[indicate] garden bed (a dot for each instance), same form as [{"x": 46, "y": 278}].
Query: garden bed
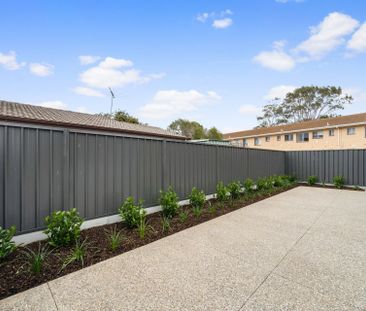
[{"x": 15, "y": 277}]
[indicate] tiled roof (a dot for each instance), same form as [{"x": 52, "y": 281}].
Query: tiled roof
[
  {"x": 37, "y": 114},
  {"x": 313, "y": 124}
]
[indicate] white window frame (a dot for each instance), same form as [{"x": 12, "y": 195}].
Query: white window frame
[
  {"x": 331, "y": 132},
  {"x": 268, "y": 139},
  {"x": 351, "y": 131},
  {"x": 318, "y": 134},
  {"x": 302, "y": 137},
  {"x": 289, "y": 136},
  {"x": 257, "y": 141}
]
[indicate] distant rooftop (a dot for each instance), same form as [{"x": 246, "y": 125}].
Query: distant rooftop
[
  {"x": 48, "y": 116},
  {"x": 305, "y": 125},
  {"x": 211, "y": 142}
]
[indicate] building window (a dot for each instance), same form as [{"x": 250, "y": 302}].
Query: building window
[
  {"x": 268, "y": 139},
  {"x": 351, "y": 131},
  {"x": 289, "y": 137},
  {"x": 331, "y": 132},
  {"x": 257, "y": 141},
  {"x": 278, "y": 137},
  {"x": 245, "y": 142},
  {"x": 318, "y": 135},
  {"x": 302, "y": 137}
]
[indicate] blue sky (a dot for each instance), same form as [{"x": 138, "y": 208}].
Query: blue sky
[{"x": 217, "y": 62}]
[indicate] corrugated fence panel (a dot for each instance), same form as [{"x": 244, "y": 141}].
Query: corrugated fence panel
[
  {"x": 327, "y": 164},
  {"x": 47, "y": 169}
]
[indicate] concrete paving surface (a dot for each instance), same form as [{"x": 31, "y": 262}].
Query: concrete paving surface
[{"x": 304, "y": 249}]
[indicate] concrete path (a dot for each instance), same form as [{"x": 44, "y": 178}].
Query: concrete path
[{"x": 301, "y": 250}]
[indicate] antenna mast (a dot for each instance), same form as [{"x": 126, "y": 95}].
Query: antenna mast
[{"x": 112, "y": 98}]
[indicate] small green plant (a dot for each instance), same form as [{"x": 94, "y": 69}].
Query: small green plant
[
  {"x": 234, "y": 189},
  {"x": 36, "y": 259},
  {"x": 132, "y": 213},
  {"x": 169, "y": 202},
  {"x": 115, "y": 239},
  {"x": 312, "y": 180},
  {"x": 143, "y": 227},
  {"x": 248, "y": 185},
  {"x": 63, "y": 227},
  {"x": 165, "y": 221},
  {"x": 264, "y": 184},
  {"x": 222, "y": 193},
  {"x": 211, "y": 208},
  {"x": 339, "y": 181},
  {"x": 183, "y": 216},
  {"x": 78, "y": 254},
  {"x": 7, "y": 246},
  {"x": 197, "y": 199}
]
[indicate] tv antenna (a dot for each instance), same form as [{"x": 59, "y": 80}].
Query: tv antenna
[{"x": 112, "y": 98}]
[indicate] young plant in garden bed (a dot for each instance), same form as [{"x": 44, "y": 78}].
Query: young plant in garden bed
[
  {"x": 132, "y": 213},
  {"x": 63, "y": 227},
  {"x": 211, "y": 207},
  {"x": 222, "y": 193},
  {"x": 115, "y": 239},
  {"x": 169, "y": 203},
  {"x": 248, "y": 185},
  {"x": 143, "y": 227},
  {"x": 339, "y": 182},
  {"x": 312, "y": 180},
  {"x": 197, "y": 199},
  {"x": 7, "y": 246},
  {"x": 234, "y": 190},
  {"x": 183, "y": 216},
  {"x": 165, "y": 221},
  {"x": 78, "y": 254},
  {"x": 35, "y": 259}
]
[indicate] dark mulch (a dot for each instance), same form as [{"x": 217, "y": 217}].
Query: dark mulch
[
  {"x": 332, "y": 187},
  {"x": 15, "y": 276}
]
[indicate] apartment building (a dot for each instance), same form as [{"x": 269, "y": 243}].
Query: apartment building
[{"x": 344, "y": 132}]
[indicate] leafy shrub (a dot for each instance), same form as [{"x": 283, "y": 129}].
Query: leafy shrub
[
  {"x": 169, "y": 203},
  {"x": 234, "y": 189},
  {"x": 35, "y": 259},
  {"x": 7, "y": 246},
  {"x": 114, "y": 238},
  {"x": 63, "y": 227},
  {"x": 312, "y": 180},
  {"x": 248, "y": 185},
  {"x": 291, "y": 178},
  {"x": 78, "y": 254},
  {"x": 221, "y": 192},
  {"x": 211, "y": 208},
  {"x": 339, "y": 181},
  {"x": 264, "y": 184},
  {"x": 132, "y": 213},
  {"x": 197, "y": 199}
]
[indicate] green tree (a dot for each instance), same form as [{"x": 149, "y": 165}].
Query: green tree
[
  {"x": 214, "y": 133},
  {"x": 122, "y": 116},
  {"x": 194, "y": 130},
  {"x": 303, "y": 104}
]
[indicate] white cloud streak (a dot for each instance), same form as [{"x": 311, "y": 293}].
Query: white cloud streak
[
  {"x": 167, "y": 103},
  {"x": 88, "y": 59},
  {"x": 86, "y": 91},
  {"x": 41, "y": 70},
  {"x": 279, "y": 91},
  {"x": 357, "y": 43},
  {"x": 222, "y": 23},
  {"x": 9, "y": 61}
]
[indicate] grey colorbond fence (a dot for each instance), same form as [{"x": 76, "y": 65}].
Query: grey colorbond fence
[
  {"x": 328, "y": 163},
  {"x": 47, "y": 169}
]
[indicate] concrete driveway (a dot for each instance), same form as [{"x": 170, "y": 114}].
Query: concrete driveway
[{"x": 301, "y": 250}]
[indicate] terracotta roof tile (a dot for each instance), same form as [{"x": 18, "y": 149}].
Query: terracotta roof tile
[
  {"x": 38, "y": 114},
  {"x": 313, "y": 124}
]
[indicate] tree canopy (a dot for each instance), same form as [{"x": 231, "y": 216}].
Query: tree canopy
[
  {"x": 304, "y": 103},
  {"x": 122, "y": 116},
  {"x": 194, "y": 130}
]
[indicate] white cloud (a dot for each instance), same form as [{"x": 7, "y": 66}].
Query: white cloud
[
  {"x": 112, "y": 72},
  {"x": 222, "y": 23},
  {"x": 9, "y": 61},
  {"x": 276, "y": 59},
  {"x": 249, "y": 109},
  {"x": 82, "y": 109},
  {"x": 328, "y": 35},
  {"x": 279, "y": 91},
  {"x": 202, "y": 17},
  {"x": 358, "y": 41},
  {"x": 168, "y": 103},
  {"x": 87, "y": 91},
  {"x": 55, "y": 104},
  {"x": 88, "y": 59},
  {"x": 41, "y": 70}
]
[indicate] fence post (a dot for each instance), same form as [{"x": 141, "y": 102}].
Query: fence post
[
  {"x": 217, "y": 165},
  {"x": 66, "y": 168},
  {"x": 164, "y": 166}
]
